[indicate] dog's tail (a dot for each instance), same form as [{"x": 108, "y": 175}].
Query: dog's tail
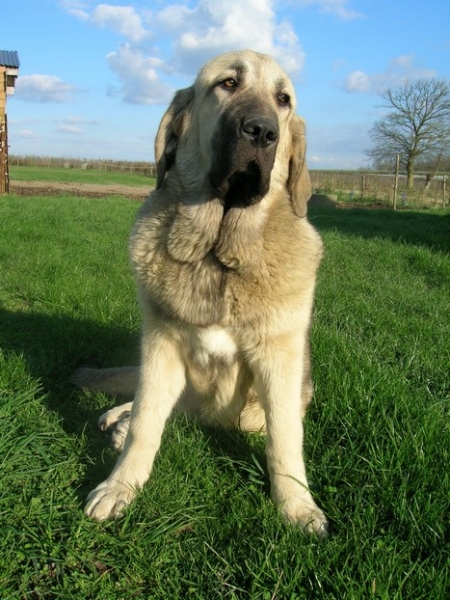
[{"x": 116, "y": 382}]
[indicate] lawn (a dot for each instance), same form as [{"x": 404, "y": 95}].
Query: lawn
[
  {"x": 377, "y": 435},
  {"x": 96, "y": 176}
]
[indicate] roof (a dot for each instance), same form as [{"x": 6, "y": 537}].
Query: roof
[{"x": 9, "y": 58}]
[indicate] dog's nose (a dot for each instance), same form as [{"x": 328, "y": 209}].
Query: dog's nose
[{"x": 261, "y": 131}]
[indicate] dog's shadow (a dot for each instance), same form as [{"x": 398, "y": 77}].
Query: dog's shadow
[
  {"x": 416, "y": 228},
  {"x": 54, "y": 346}
]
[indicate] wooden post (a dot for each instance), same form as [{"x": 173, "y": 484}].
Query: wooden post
[
  {"x": 444, "y": 184},
  {"x": 3, "y": 139},
  {"x": 363, "y": 186},
  {"x": 397, "y": 168}
]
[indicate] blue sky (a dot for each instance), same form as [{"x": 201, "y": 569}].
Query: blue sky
[{"x": 95, "y": 77}]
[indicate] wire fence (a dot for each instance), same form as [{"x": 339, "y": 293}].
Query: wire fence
[
  {"x": 349, "y": 186},
  {"x": 379, "y": 187},
  {"x": 119, "y": 166}
]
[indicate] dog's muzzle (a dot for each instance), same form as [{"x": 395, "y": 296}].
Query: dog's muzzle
[{"x": 244, "y": 151}]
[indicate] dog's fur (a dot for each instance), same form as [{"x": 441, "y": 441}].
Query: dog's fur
[{"x": 225, "y": 263}]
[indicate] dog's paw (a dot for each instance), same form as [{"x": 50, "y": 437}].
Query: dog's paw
[
  {"x": 119, "y": 433},
  {"x": 108, "y": 500},
  {"x": 117, "y": 421},
  {"x": 306, "y": 514},
  {"x": 111, "y": 417}
]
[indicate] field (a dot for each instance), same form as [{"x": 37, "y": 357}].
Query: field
[
  {"x": 35, "y": 180},
  {"x": 49, "y": 176},
  {"x": 377, "y": 435}
]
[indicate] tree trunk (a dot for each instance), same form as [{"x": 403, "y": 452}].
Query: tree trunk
[{"x": 410, "y": 173}]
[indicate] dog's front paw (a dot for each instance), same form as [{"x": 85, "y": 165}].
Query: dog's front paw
[
  {"x": 306, "y": 514},
  {"x": 108, "y": 500}
]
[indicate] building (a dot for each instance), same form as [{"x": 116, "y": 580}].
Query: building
[{"x": 9, "y": 71}]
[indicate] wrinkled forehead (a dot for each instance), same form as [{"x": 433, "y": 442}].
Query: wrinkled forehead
[{"x": 250, "y": 67}]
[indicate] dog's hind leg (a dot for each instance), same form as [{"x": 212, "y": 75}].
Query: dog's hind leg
[
  {"x": 117, "y": 382},
  {"x": 121, "y": 381}
]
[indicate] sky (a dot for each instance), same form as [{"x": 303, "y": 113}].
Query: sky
[{"x": 95, "y": 78}]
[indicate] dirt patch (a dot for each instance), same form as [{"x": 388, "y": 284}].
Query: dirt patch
[
  {"x": 87, "y": 190},
  {"x": 368, "y": 205},
  {"x": 139, "y": 193}
]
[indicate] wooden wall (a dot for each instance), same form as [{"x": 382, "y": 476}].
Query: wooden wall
[{"x": 4, "y": 175}]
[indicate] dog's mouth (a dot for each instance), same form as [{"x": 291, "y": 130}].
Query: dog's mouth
[{"x": 243, "y": 187}]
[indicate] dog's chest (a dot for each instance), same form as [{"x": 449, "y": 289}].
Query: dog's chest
[
  {"x": 205, "y": 292},
  {"x": 211, "y": 345},
  {"x": 210, "y": 356}
]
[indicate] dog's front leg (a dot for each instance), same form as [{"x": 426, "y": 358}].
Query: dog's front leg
[
  {"x": 161, "y": 382},
  {"x": 279, "y": 386}
]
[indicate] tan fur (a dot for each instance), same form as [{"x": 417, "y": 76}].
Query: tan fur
[{"x": 226, "y": 293}]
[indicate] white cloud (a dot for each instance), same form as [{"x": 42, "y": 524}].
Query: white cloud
[
  {"x": 398, "y": 70},
  {"x": 339, "y": 8},
  {"x": 76, "y": 120},
  {"x": 44, "y": 88},
  {"x": 192, "y": 35},
  {"x": 338, "y": 64},
  {"x": 25, "y": 133},
  {"x": 74, "y": 124},
  {"x": 66, "y": 128},
  {"x": 212, "y": 27},
  {"x": 138, "y": 75},
  {"x": 75, "y": 8},
  {"x": 358, "y": 81},
  {"x": 405, "y": 61},
  {"x": 173, "y": 17},
  {"x": 122, "y": 19}
]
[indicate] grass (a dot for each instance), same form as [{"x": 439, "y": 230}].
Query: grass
[
  {"x": 377, "y": 443},
  {"x": 61, "y": 174}
]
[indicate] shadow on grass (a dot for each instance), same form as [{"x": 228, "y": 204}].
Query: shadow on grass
[
  {"x": 421, "y": 228},
  {"x": 54, "y": 346}
]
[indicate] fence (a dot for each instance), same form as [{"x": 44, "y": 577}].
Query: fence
[
  {"x": 379, "y": 187},
  {"x": 350, "y": 186},
  {"x": 140, "y": 168}
]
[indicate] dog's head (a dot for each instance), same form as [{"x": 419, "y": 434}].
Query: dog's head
[{"x": 234, "y": 134}]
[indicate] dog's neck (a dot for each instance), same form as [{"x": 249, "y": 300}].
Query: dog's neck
[
  {"x": 202, "y": 225},
  {"x": 201, "y": 229}
]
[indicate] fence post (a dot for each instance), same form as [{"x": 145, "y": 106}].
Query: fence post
[
  {"x": 444, "y": 185},
  {"x": 397, "y": 167}
]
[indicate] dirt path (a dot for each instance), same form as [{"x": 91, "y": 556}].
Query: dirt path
[
  {"x": 89, "y": 190},
  {"x": 139, "y": 193}
]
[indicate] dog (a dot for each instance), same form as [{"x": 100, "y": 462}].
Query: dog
[{"x": 225, "y": 263}]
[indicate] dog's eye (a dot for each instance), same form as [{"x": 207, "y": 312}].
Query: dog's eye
[
  {"x": 228, "y": 84},
  {"x": 284, "y": 99}
]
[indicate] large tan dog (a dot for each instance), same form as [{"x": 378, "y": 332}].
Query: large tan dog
[{"x": 225, "y": 263}]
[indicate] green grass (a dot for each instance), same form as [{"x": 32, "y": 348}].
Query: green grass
[
  {"x": 377, "y": 439},
  {"x": 78, "y": 176}
]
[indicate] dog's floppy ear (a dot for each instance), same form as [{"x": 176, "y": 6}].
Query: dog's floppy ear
[
  {"x": 168, "y": 132},
  {"x": 299, "y": 183}
]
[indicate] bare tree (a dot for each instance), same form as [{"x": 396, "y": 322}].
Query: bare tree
[{"x": 418, "y": 124}]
